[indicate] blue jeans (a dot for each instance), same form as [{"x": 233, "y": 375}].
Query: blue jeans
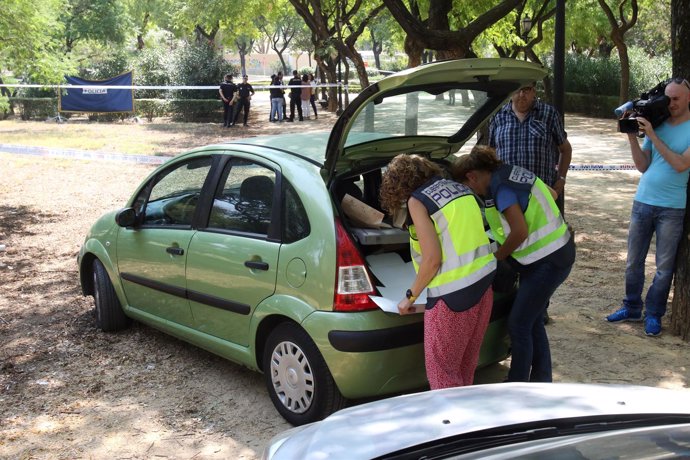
[
  {"x": 276, "y": 109},
  {"x": 531, "y": 361},
  {"x": 645, "y": 220}
]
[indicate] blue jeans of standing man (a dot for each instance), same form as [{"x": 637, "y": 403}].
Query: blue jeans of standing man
[
  {"x": 531, "y": 355},
  {"x": 645, "y": 220},
  {"x": 276, "y": 109}
]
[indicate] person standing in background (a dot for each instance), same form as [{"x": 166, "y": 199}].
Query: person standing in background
[
  {"x": 314, "y": 93},
  {"x": 279, "y": 80},
  {"x": 295, "y": 96},
  {"x": 305, "y": 96},
  {"x": 276, "y": 93},
  {"x": 529, "y": 133},
  {"x": 227, "y": 91},
  {"x": 658, "y": 209},
  {"x": 246, "y": 91}
]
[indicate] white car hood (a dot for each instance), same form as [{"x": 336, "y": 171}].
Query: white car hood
[{"x": 388, "y": 425}]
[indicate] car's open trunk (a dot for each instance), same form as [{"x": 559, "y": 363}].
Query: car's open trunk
[{"x": 374, "y": 242}]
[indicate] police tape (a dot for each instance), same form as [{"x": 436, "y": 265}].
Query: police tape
[
  {"x": 156, "y": 160},
  {"x": 601, "y": 167},
  {"x": 143, "y": 87}
]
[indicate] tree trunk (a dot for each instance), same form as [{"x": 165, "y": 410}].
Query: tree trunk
[{"x": 680, "y": 51}]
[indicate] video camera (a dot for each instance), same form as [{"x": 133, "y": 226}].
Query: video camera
[{"x": 652, "y": 105}]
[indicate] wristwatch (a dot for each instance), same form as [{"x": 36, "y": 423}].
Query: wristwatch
[{"x": 410, "y": 296}]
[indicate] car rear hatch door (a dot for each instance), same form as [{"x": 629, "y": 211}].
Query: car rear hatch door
[{"x": 409, "y": 112}]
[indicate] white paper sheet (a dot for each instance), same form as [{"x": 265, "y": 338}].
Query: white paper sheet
[
  {"x": 396, "y": 277},
  {"x": 391, "y": 306}
]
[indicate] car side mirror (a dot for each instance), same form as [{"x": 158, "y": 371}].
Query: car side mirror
[{"x": 126, "y": 217}]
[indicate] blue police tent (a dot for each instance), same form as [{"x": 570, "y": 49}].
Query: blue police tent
[{"x": 97, "y": 99}]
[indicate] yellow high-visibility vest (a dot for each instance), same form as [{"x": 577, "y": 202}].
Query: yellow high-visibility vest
[
  {"x": 468, "y": 265},
  {"x": 546, "y": 230}
]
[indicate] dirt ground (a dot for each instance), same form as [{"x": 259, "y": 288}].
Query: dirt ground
[{"x": 68, "y": 391}]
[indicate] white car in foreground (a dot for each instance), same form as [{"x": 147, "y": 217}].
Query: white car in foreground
[{"x": 502, "y": 421}]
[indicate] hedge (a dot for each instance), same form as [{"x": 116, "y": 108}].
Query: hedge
[{"x": 190, "y": 110}]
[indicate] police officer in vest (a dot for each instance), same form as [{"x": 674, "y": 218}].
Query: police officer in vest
[
  {"x": 454, "y": 261},
  {"x": 527, "y": 224}
]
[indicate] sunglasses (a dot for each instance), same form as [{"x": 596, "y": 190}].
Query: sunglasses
[{"x": 681, "y": 81}]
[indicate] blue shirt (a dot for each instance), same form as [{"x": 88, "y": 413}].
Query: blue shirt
[
  {"x": 661, "y": 185},
  {"x": 532, "y": 143}
]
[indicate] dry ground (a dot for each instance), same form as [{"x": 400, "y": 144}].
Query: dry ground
[{"x": 69, "y": 391}]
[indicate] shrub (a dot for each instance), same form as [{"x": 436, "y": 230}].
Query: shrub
[
  {"x": 117, "y": 61},
  {"x": 591, "y": 75},
  {"x": 152, "y": 68},
  {"x": 306, "y": 70},
  {"x": 194, "y": 109},
  {"x": 602, "y": 75},
  {"x": 395, "y": 64},
  {"x": 198, "y": 65},
  {"x": 5, "y": 107},
  {"x": 34, "y": 108},
  {"x": 151, "y": 108},
  {"x": 646, "y": 72}
]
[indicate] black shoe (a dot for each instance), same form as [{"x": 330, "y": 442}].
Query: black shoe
[
  {"x": 245, "y": 124},
  {"x": 301, "y": 119},
  {"x": 289, "y": 120}
]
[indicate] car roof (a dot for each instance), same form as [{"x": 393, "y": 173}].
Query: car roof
[
  {"x": 389, "y": 425},
  {"x": 310, "y": 145}
]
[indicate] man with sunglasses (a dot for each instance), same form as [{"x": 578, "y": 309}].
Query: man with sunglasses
[
  {"x": 658, "y": 207},
  {"x": 529, "y": 133}
]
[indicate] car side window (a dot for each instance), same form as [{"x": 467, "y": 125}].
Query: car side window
[
  {"x": 174, "y": 194},
  {"x": 295, "y": 220},
  {"x": 245, "y": 201}
]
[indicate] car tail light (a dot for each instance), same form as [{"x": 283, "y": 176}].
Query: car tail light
[{"x": 352, "y": 285}]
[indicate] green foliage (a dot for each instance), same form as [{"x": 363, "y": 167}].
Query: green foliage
[
  {"x": 601, "y": 76},
  {"x": 645, "y": 71},
  {"x": 306, "y": 70},
  {"x": 104, "y": 21},
  {"x": 151, "y": 108},
  {"x": 5, "y": 107},
  {"x": 198, "y": 65},
  {"x": 591, "y": 75},
  {"x": 30, "y": 40},
  {"x": 396, "y": 64},
  {"x": 113, "y": 63},
  {"x": 151, "y": 68},
  {"x": 194, "y": 109},
  {"x": 32, "y": 108}
]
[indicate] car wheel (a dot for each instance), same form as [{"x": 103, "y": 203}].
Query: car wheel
[
  {"x": 109, "y": 314},
  {"x": 297, "y": 377}
]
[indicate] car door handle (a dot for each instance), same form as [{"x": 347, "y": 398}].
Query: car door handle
[
  {"x": 174, "y": 251},
  {"x": 256, "y": 265}
]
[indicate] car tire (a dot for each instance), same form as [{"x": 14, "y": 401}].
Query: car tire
[
  {"x": 110, "y": 316},
  {"x": 297, "y": 377}
]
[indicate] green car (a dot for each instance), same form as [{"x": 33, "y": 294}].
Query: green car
[{"x": 244, "y": 248}]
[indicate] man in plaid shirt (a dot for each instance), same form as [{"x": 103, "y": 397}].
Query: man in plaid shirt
[{"x": 529, "y": 133}]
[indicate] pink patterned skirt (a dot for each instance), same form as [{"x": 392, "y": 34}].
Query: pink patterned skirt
[{"x": 452, "y": 341}]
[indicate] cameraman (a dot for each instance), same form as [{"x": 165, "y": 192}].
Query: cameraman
[{"x": 659, "y": 207}]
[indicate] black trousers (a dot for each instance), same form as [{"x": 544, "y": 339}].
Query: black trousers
[
  {"x": 243, "y": 103},
  {"x": 227, "y": 114},
  {"x": 296, "y": 101}
]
